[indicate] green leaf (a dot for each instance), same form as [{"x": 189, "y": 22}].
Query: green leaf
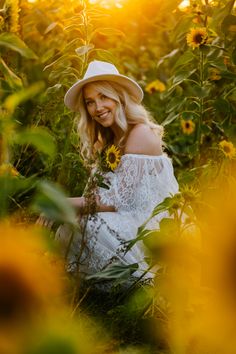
[
  {"x": 221, "y": 105},
  {"x": 189, "y": 115},
  {"x": 228, "y": 75},
  {"x": 64, "y": 58},
  {"x": 175, "y": 104},
  {"x": 168, "y": 226},
  {"x": 12, "y": 101},
  {"x": 183, "y": 75},
  {"x": 186, "y": 58},
  {"x": 206, "y": 129},
  {"x": 38, "y": 137},
  {"x": 169, "y": 119},
  {"x": 200, "y": 92},
  {"x": 221, "y": 13},
  {"x": 182, "y": 26},
  {"x": 96, "y": 14},
  {"x": 53, "y": 203},
  {"x": 141, "y": 235},
  {"x": 228, "y": 21},
  {"x": 84, "y": 49},
  {"x": 216, "y": 63},
  {"x": 164, "y": 206},
  {"x": 116, "y": 271},
  {"x": 167, "y": 56},
  {"x": 11, "y": 41},
  {"x": 51, "y": 27},
  {"x": 101, "y": 54},
  {"x": 109, "y": 32},
  {"x": 13, "y": 187},
  {"x": 11, "y": 78}
]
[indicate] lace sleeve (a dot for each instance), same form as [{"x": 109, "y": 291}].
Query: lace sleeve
[{"x": 139, "y": 183}]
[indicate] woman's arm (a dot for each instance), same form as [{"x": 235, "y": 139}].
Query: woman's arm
[{"x": 80, "y": 204}]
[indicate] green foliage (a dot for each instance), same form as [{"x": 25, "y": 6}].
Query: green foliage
[
  {"x": 52, "y": 202},
  {"x": 38, "y": 137},
  {"x": 13, "y": 42},
  {"x": 201, "y": 84},
  {"x": 195, "y": 102},
  {"x": 118, "y": 273}
]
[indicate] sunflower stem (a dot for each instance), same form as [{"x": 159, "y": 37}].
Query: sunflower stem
[{"x": 201, "y": 100}]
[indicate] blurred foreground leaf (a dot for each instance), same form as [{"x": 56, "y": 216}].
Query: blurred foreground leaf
[
  {"x": 53, "y": 203},
  {"x": 12, "y": 187},
  {"x": 11, "y": 78},
  {"x": 38, "y": 137},
  {"x": 12, "y": 101},
  {"x": 11, "y": 41}
]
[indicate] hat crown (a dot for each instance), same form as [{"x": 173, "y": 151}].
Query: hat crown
[
  {"x": 98, "y": 71},
  {"x": 97, "y": 67}
]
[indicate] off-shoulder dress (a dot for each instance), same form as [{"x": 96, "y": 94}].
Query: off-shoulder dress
[{"x": 138, "y": 184}]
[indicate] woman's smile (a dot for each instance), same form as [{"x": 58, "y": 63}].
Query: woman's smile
[{"x": 103, "y": 115}]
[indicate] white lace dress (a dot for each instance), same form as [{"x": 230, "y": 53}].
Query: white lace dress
[{"x": 137, "y": 185}]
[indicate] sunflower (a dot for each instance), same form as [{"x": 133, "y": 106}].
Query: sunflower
[
  {"x": 197, "y": 37},
  {"x": 62, "y": 334},
  {"x": 12, "y": 9},
  {"x": 188, "y": 126},
  {"x": 189, "y": 193},
  {"x": 2, "y": 22},
  {"x": 112, "y": 157},
  {"x": 155, "y": 86},
  {"x": 214, "y": 74},
  {"x": 30, "y": 278},
  {"x": 228, "y": 149}
]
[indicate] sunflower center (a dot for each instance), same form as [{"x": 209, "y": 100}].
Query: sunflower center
[
  {"x": 198, "y": 38},
  {"x": 112, "y": 157},
  {"x": 227, "y": 149},
  {"x": 16, "y": 298},
  {"x": 187, "y": 125}
]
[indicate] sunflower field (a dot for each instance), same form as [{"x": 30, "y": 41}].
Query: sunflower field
[{"x": 183, "y": 55}]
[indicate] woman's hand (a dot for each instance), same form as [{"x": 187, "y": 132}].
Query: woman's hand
[
  {"x": 82, "y": 206},
  {"x": 78, "y": 203}
]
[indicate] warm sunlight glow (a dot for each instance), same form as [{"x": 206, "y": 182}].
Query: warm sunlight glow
[
  {"x": 108, "y": 3},
  {"x": 184, "y": 4}
]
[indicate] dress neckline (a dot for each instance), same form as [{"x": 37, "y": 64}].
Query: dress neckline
[{"x": 147, "y": 156}]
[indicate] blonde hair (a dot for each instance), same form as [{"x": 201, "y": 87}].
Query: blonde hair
[{"x": 94, "y": 136}]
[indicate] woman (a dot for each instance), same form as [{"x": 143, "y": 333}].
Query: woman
[{"x": 111, "y": 113}]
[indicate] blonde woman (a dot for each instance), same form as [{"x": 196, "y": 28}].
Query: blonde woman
[{"x": 111, "y": 113}]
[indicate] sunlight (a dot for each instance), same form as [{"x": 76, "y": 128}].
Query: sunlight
[
  {"x": 108, "y": 3},
  {"x": 184, "y": 4}
]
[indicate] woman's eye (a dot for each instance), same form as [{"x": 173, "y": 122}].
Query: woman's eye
[
  {"x": 89, "y": 103},
  {"x": 103, "y": 97}
]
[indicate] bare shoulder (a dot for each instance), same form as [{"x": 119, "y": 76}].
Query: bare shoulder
[{"x": 143, "y": 140}]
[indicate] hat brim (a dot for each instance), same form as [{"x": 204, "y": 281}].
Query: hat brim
[{"x": 71, "y": 96}]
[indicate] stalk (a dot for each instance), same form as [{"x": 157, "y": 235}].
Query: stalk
[{"x": 201, "y": 100}]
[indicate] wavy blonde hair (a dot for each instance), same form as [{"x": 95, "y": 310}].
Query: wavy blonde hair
[{"x": 94, "y": 136}]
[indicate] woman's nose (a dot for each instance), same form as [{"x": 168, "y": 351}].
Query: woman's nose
[{"x": 98, "y": 106}]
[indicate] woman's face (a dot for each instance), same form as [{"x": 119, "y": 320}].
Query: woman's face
[{"x": 100, "y": 107}]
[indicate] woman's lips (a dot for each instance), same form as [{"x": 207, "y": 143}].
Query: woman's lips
[{"x": 103, "y": 115}]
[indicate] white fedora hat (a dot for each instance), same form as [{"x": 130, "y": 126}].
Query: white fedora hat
[{"x": 97, "y": 71}]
